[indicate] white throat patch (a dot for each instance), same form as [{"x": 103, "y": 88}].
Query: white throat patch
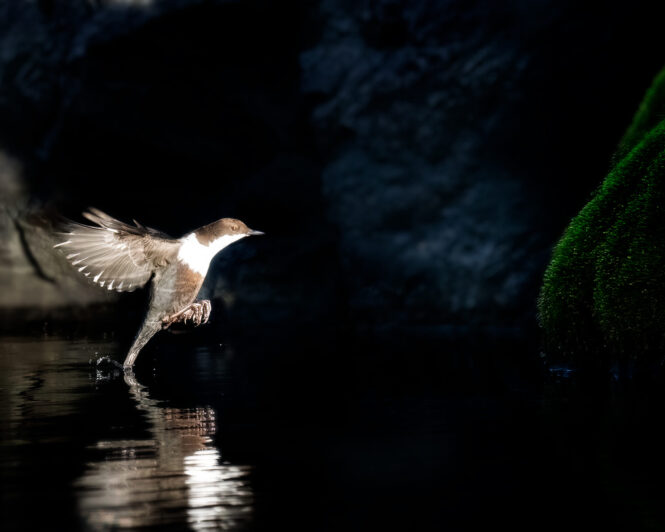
[{"x": 197, "y": 256}]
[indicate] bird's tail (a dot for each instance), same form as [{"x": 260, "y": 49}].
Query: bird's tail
[{"x": 148, "y": 329}]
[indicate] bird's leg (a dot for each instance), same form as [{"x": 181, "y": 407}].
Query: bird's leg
[
  {"x": 148, "y": 330},
  {"x": 196, "y": 313}
]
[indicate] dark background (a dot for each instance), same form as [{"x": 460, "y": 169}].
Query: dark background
[{"x": 412, "y": 164}]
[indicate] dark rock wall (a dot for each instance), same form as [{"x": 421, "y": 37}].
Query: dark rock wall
[
  {"x": 457, "y": 137},
  {"x": 412, "y": 162}
]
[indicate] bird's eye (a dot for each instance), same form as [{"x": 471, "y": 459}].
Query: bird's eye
[{"x": 234, "y": 228}]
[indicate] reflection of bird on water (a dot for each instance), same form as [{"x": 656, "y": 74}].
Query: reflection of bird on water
[
  {"x": 122, "y": 257},
  {"x": 175, "y": 473},
  {"x": 195, "y": 426}
]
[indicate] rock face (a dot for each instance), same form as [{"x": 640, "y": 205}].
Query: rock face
[
  {"x": 604, "y": 291},
  {"x": 31, "y": 275},
  {"x": 411, "y": 162},
  {"x": 453, "y": 149}
]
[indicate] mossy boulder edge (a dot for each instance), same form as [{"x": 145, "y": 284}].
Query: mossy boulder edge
[{"x": 603, "y": 295}]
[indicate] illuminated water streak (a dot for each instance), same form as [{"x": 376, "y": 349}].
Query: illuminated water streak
[{"x": 218, "y": 494}]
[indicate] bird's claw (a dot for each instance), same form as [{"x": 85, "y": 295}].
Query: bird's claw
[
  {"x": 207, "y": 308},
  {"x": 197, "y": 313}
]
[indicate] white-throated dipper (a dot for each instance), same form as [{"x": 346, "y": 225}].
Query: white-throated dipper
[{"x": 122, "y": 257}]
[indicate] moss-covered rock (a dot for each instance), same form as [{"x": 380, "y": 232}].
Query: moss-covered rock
[
  {"x": 649, "y": 114},
  {"x": 604, "y": 290}
]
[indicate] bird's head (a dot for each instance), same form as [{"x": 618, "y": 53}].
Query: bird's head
[{"x": 226, "y": 229}]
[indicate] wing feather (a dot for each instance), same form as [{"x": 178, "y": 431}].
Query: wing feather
[{"x": 113, "y": 254}]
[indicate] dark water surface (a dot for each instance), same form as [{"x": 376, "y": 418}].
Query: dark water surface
[{"x": 320, "y": 434}]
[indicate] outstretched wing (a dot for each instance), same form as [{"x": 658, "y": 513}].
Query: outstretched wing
[{"x": 115, "y": 255}]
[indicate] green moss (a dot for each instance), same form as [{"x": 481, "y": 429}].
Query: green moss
[
  {"x": 648, "y": 115},
  {"x": 604, "y": 290},
  {"x": 629, "y": 288}
]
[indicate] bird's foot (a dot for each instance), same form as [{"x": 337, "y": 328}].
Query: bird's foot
[{"x": 197, "y": 313}]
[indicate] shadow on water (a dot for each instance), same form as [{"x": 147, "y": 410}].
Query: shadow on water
[{"x": 305, "y": 434}]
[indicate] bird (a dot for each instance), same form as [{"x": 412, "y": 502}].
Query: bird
[{"x": 121, "y": 257}]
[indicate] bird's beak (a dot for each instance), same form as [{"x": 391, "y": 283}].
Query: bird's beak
[{"x": 255, "y": 233}]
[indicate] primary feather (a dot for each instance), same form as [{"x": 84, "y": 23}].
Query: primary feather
[{"x": 115, "y": 255}]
